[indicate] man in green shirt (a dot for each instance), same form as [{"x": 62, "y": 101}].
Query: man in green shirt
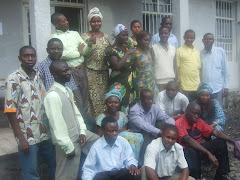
[
  {"x": 74, "y": 50},
  {"x": 69, "y": 133}
]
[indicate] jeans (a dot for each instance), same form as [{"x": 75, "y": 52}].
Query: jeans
[
  {"x": 191, "y": 95},
  {"x": 29, "y": 161}
]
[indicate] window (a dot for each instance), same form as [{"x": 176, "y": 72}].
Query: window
[
  {"x": 225, "y": 27},
  {"x": 153, "y": 12}
]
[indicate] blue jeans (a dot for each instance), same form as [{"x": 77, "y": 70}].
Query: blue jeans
[{"x": 29, "y": 161}]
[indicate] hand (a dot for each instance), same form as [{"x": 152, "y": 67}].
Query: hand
[
  {"x": 130, "y": 51},
  {"x": 133, "y": 170},
  {"x": 225, "y": 92},
  {"x": 24, "y": 146},
  {"x": 80, "y": 48},
  {"x": 71, "y": 155},
  {"x": 83, "y": 139},
  {"x": 236, "y": 147},
  {"x": 213, "y": 160},
  {"x": 213, "y": 125},
  {"x": 92, "y": 40}
]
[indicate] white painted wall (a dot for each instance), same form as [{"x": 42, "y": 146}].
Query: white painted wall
[{"x": 117, "y": 12}]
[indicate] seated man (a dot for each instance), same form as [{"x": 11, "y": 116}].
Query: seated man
[
  {"x": 111, "y": 156},
  {"x": 171, "y": 101},
  {"x": 191, "y": 129},
  {"x": 68, "y": 130},
  {"x": 163, "y": 155},
  {"x": 143, "y": 117}
]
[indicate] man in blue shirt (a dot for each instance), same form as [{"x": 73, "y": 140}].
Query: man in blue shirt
[
  {"x": 172, "y": 40},
  {"x": 111, "y": 156},
  {"x": 215, "y": 68}
]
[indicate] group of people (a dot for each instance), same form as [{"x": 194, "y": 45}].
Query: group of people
[{"x": 134, "y": 123}]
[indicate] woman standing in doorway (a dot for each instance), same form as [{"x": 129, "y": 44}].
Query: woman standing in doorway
[{"x": 97, "y": 68}]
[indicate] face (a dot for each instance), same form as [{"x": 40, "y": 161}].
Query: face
[
  {"x": 28, "y": 58},
  {"x": 123, "y": 37},
  {"x": 62, "y": 23},
  {"x": 164, "y": 34},
  {"x": 55, "y": 50},
  {"x": 171, "y": 91},
  {"x": 193, "y": 113},
  {"x": 169, "y": 138},
  {"x": 111, "y": 132},
  {"x": 145, "y": 41},
  {"x": 63, "y": 73},
  {"x": 96, "y": 23},
  {"x": 112, "y": 104},
  {"x": 147, "y": 100},
  {"x": 168, "y": 23},
  {"x": 189, "y": 38},
  {"x": 208, "y": 41},
  {"x": 136, "y": 28},
  {"x": 204, "y": 97}
]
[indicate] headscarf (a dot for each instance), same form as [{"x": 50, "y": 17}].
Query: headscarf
[
  {"x": 116, "y": 31},
  {"x": 94, "y": 12},
  {"x": 115, "y": 93},
  {"x": 204, "y": 87}
]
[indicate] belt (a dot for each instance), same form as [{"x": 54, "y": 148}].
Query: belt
[{"x": 77, "y": 67}]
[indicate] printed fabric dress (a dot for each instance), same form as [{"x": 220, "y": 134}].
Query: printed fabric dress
[
  {"x": 144, "y": 73},
  {"x": 97, "y": 73},
  {"x": 135, "y": 139},
  {"x": 219, "y": 117},
  {"x": 122, "y": 79}
]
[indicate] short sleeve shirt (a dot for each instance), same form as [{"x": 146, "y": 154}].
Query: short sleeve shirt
[
  {"x": 24, "y": 97},
  {"x": 199, "y": 129}
]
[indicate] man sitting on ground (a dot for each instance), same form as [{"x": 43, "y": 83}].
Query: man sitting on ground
[
  {"x": 191, "y": 129},
  {"x": 163, "y": 155},
  {"x": 111, "y": 156},
  {"x": 171, "y": 101},
  {"x": 143, "y": 117}
]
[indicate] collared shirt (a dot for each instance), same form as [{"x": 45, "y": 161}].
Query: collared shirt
[
  {"x": 59, "y": 130},
  {"x": 47, "y": 77},
  {"x": 189, "y": 65},
  {"x": 198, "y": 130},
  {"x": 141, "y": 120},
  {"x": 162, "y": 161},
  {"x": 172, "y": 107},
  {"x": 172, "y": 40},
  {"x": 215, "y": 69},
  {"x": 71, "y": 41},
  {"x": 24, "y": 96},
  {"x": 102, "y": 157}
]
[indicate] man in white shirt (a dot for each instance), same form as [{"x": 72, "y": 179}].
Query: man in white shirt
[
  {"x": 166, "y": 22},
  {"x": 163, "y": 155},
  {"x": 111, "y": 156},
  {"x": 171, "y": 101}
]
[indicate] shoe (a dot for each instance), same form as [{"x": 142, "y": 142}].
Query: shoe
[{"x": 222, "y": 177}]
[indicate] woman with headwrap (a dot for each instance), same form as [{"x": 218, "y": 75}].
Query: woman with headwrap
[
  {"x": 212, "y": 112},
  {"x": 119, "y": 57},
  {"x": 113, "y": 100},
  {"x": 97, "y": 68}
]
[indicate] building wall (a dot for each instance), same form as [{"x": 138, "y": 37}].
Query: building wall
[
  {"x": 117, "y": 12},
  {"x": 12, "y": 38}
]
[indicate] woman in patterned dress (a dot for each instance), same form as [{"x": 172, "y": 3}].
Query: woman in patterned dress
[
  {"x": 97, "y": 68},
  {"x": 112, "y": 101},
  {"x": 212, "y": 112},
  {"x": 145, "y": 78},
  {"x": 122, "y": 76}
]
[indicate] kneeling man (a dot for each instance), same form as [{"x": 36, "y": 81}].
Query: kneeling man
[
  {"x": 111, "y": 156},
  {"x": 163, "y": 155}
]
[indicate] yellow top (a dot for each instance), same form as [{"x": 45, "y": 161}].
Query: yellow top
[{"x": 189, "y": 65}]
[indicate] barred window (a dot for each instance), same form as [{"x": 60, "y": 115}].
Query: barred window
[
  {"x": 153, "y": 12},
  {"x": 225, "y": 27}
]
